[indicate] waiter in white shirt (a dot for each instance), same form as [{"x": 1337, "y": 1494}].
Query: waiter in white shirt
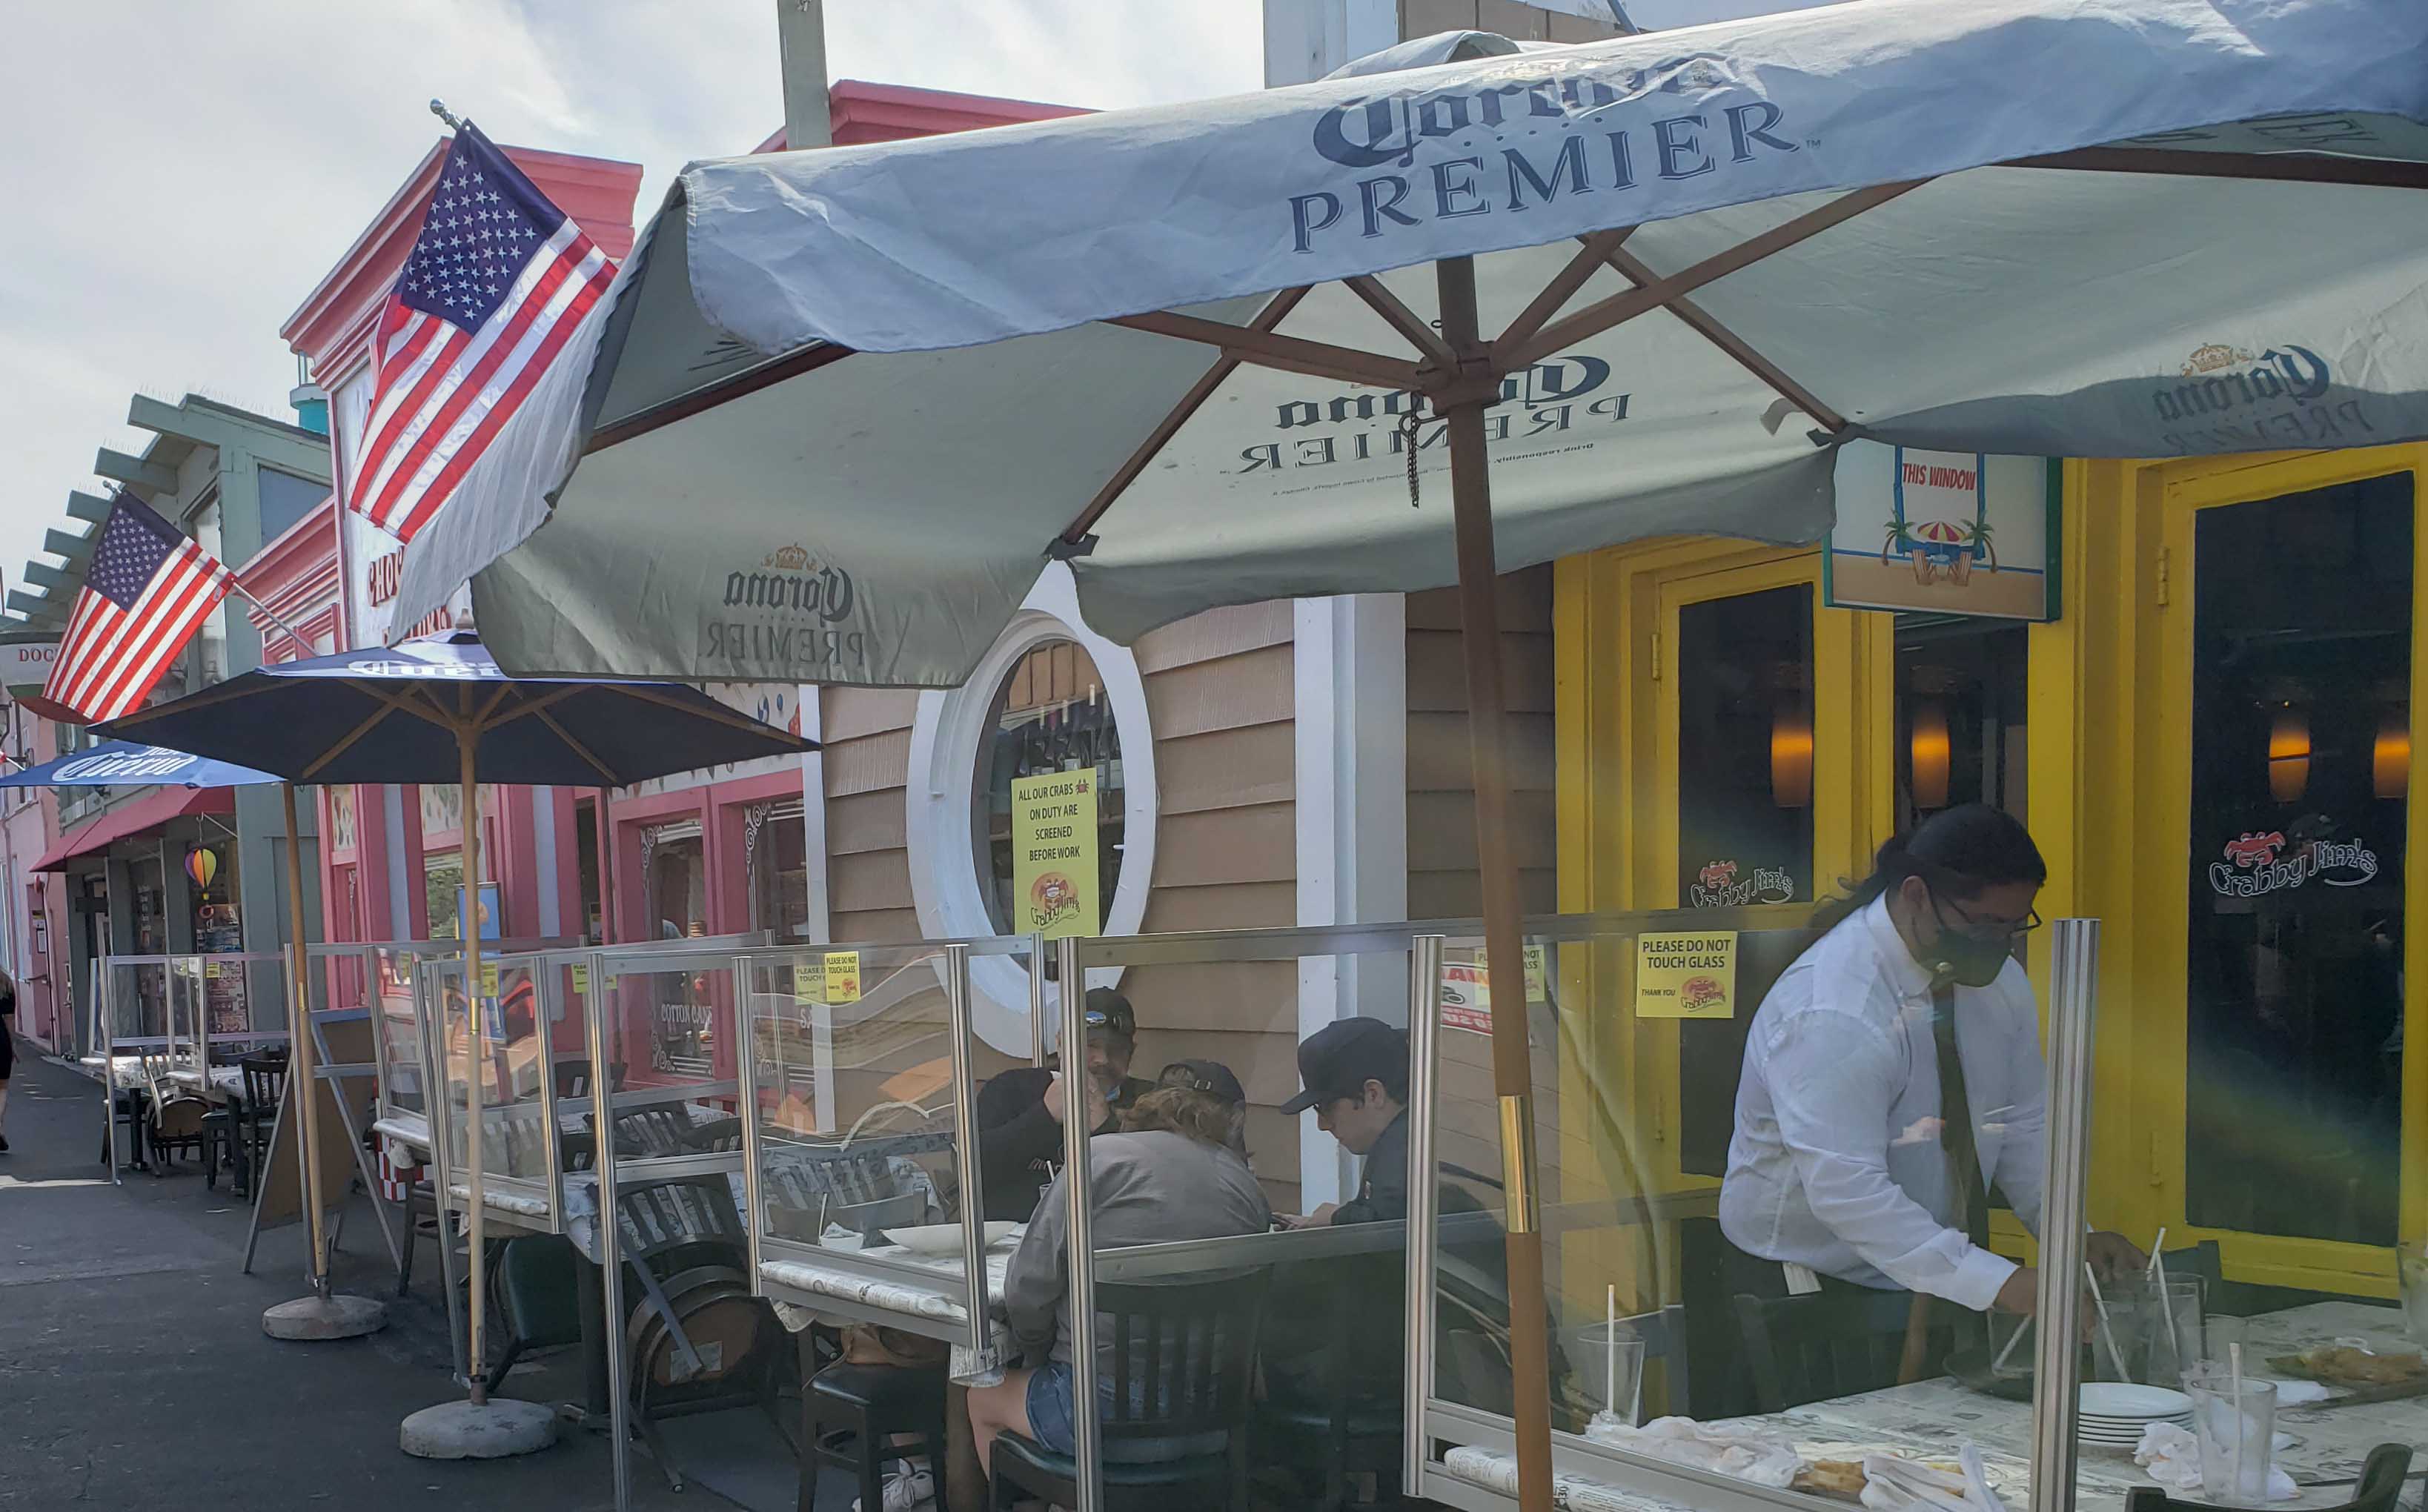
[{"x": 1892, "y": 1075}]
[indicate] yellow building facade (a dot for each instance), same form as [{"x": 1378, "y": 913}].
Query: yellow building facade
[{"x": 2210, "y": 744}]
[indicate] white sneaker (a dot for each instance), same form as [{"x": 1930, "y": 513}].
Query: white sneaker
[{"x": 909, "y": 1487}]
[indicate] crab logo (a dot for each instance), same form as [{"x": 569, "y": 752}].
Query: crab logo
[
  {"x": 1053, "y": 898},
  {"x": 1717, "y": 875},
  {"x": 1698, "y": 994},
  {"x": 2254, "y": 849}
]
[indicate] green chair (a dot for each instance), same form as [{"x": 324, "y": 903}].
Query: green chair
[{"x": 536, "y": 1285}]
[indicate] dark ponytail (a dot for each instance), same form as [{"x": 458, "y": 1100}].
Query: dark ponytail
[{"x": 1959, "y": 851}]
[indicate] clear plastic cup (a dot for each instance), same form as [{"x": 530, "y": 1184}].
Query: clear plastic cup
[
  {"x": 2222, "y": 1334},
  {"x": 1611, "y": 1371},
  {"x": 2237, "y": 1430}
]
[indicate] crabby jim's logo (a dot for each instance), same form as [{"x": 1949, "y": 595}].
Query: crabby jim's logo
[
  {"x": 1715, "y": 886},
  {"x": 1053, "y": 899},
  {"x": 1576, "y": 143},
  {"x": 2258, "y": 861},
  {"x": 785, "y": 613},
  {"x": 2232, "y": 399}
]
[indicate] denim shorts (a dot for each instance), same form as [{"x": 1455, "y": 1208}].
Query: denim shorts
[{"x": 1049, "y": 1408}]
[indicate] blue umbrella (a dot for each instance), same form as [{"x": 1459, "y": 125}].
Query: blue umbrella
[
  {"x": 438, "y": 710},
  {"x": 124, "y": 764}
]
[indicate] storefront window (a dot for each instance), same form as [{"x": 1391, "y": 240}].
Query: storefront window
[
  {"x": 342, "y": 834},
  {"x": 1744, "y": 748},
  {"x": 682, "y": 1038},
  {"x": 780, "y": 870},
  {"x": 2300, "y": 748},
  {"x": 1959, "y": 714},
  {"x": 1050, "y": 715}
]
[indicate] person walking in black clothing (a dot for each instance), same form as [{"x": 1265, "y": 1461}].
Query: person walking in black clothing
[
  {"x": 1020, "y": 1112},
  {"x": 8, "y": 1050}
]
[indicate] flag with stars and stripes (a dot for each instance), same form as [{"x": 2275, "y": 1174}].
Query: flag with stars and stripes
[
  {"x": 146, "y": 590},
  {"x": 493, "y": 288}
]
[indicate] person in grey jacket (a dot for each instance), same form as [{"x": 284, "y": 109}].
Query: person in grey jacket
[{"x": 1172, "y": 1174}]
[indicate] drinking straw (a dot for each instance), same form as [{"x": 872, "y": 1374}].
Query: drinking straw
[
  {"x": 2234, "y": 1354},
  {"x": 1609, "y": 1353},
  {"x": 2022, "y": 1327},
  {"x": 2157, "y": 1278},
  {"x": 2105, "y": 1331}
]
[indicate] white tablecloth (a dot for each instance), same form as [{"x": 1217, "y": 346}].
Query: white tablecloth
[
  {"x": 926, "y": 1309},
  {"x": 1931, "y": 1419}
]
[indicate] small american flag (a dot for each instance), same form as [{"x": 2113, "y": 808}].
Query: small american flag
[
  {"x": 494, "y": 287},
  {"x": 146, "y": 592}
]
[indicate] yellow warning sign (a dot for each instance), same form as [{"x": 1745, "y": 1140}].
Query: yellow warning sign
[{"x": 1686, "y": 976}]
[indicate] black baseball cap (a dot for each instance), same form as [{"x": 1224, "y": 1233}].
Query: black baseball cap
[
  {"x": 1111, "y": 1012},
  {"x": 1204, "y": 1076},
  {"x": 1338, "y": 1061}
]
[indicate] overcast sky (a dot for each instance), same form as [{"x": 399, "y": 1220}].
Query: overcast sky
[{"x": 178, "y": 176}]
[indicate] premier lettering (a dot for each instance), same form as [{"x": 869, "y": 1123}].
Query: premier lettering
[
  {"x": 1550, "y": 393},
  {"x": 1490, "y": 177}
]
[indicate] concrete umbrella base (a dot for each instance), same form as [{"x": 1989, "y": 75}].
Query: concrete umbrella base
[
  {"x": 312, "y": 1319},
  {"x": 497, "y": 1429}
]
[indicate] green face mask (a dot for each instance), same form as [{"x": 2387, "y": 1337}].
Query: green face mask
[{"x": 1964, "y": 958}]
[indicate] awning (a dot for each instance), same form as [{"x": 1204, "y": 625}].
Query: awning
[{"x": 148, "y": 812}]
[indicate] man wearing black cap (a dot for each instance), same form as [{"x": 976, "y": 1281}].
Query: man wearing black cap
[
  {"x": 1354, "y": 1074},
  {"x": 1020, "y": 1111}
]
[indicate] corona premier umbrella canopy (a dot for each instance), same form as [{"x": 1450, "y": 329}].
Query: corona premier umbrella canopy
[{"x": 840, "y": 405}]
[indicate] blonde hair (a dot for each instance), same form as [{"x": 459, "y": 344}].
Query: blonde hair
[{"x": 1200, "y": 1115}]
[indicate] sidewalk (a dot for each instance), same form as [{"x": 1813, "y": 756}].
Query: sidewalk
[{"x": 133, "y": 1371}]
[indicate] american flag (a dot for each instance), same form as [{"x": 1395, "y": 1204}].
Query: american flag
[
  {"x": 495, "y": 284},
  {"x": 146, "y": 590}
]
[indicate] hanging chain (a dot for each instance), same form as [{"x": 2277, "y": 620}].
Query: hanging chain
[{"x": 1409, "y": 425}]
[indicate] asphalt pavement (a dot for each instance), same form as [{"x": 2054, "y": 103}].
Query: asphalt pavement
[{"x": 133, "y": 1371}]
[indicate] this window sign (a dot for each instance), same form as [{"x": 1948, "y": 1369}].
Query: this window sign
[{"x": 1960, "y": 533}]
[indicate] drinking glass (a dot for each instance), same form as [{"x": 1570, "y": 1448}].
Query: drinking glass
[
  {"x": 2237, "y": 1430},
  {"x": 2223, "y": 1334},
  {"x": 1612, "y": 1369},
  {"x": 2168, "y": 1338}
]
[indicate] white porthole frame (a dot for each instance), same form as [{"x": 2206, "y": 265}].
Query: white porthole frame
[{"x": 944, "y": 857}]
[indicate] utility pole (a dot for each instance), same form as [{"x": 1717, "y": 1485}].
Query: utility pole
[{"x": 801, "y": 39}]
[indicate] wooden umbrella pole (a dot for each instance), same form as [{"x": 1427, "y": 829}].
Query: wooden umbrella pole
[
  {"x": 302, "y": 1079},
  {"x": 1462, "y": 401},
  {"x": 468, "y": 930}
]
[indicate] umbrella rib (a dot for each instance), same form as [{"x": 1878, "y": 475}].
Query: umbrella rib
[
  {"x": 1165, "y": 429},
  {"x": 1620, "y": 309},
  {"x": 1401, "y": 319},
  {"x": 313, "y": 769},
  {"x": 1702, "y": 321},
  {"x": 1290, "y": 353},
  {"x": 1589, "y": 261},
  {"x": 530, "y": 705},
  {"x": 713, "y": 711},
  {"x": 575, "y": 747},
  {"x": 2298, "y": 168},
  {"x": 708, "y": 396}
]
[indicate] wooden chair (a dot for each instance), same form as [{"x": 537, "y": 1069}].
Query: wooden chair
[
  {"x": 2379, "y": 1489},
  {"x": 857, "y": 1415},
  {"x": 1174, "y": 1432},
  {"x": 1835, "y": 1343}
]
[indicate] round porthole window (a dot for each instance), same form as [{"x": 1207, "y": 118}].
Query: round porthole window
[{"x": 1049, "y": 696}]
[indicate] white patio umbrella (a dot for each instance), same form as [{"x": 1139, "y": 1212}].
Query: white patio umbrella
[{"x": 840, "y": 405}]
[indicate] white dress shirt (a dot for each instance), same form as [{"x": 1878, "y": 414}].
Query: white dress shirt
[{"x": 1836, "y": 1161}]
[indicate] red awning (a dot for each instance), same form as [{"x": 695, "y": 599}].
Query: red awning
[{"x": 134, "y": 818}]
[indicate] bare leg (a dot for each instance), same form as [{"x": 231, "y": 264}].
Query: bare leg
[
  {"x": 996, "y": 1408},
  {"x": 4, "y": 1101}
]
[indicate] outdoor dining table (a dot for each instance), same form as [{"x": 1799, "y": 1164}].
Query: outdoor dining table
[{"x": 1931, "y": 1419}]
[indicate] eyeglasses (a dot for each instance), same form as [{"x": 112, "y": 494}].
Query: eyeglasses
[{"x": 1991, "y": 929}]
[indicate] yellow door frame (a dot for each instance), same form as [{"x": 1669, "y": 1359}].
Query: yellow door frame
[{"x": 2163, "y": 926}]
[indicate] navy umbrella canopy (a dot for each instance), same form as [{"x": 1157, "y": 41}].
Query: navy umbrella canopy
[{"x": 402, "y": 715}]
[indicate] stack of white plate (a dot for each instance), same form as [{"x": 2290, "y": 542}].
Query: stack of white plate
[{"x": 2114, "y": 1413}]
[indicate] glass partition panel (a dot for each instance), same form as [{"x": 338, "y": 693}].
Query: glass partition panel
[
  {"x": 397, "y": 1021},
  {"x": 670, "y": 1058},
  {"x": 132, "y": 1009},
  {"x": 856, "y": 1096},
  {"x": 1720, "y": 1198},
  {"x": 516, "y": 1139},
  {"x": 187, "y": 1029}
]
